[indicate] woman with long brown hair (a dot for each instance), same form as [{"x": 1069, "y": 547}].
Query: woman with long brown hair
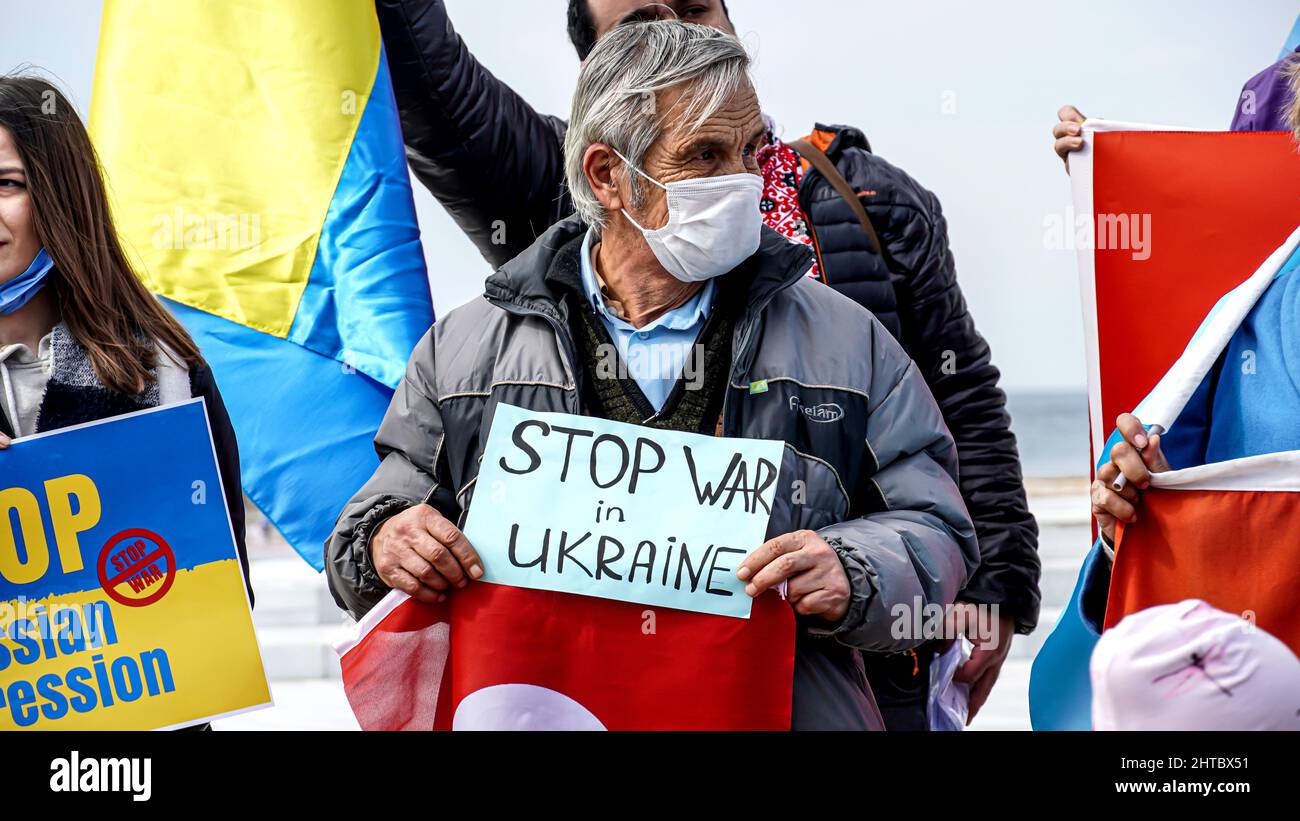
[{"x": 81, "y": 338}]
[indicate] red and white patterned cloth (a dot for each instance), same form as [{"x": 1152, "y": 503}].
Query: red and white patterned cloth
[{"x": 782, "y": 174}]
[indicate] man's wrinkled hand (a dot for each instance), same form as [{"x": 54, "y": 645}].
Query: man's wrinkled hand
[
  {"x": 422, "y": 553},
  {"x": 816, "y": 582}
]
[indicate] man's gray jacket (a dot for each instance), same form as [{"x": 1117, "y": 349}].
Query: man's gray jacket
[{"x": 869, "y": 463}]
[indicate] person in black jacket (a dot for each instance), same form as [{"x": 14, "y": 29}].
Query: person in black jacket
[
  {"x": 81, "y": 337},
  {"x": 496, "y": 165}
]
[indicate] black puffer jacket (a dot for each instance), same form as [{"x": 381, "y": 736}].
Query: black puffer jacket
[
  {"x": 913, "y": 290},
  {"x": 496, "y": 165}
]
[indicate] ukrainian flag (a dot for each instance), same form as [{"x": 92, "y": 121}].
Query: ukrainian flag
[{"x": 254, "y": 156}]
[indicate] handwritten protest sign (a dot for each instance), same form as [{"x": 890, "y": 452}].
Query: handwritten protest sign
[
  {"x": 122, "y": 600},
  {"x": 599, "y": 508}
]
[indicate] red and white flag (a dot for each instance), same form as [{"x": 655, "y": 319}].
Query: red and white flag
[
  {"x": 1168, "y": 220},
  {"x": 1227, "y": 533},
  {"x": 507, "y": 658}
]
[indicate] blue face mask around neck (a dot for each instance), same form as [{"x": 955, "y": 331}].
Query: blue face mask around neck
[{"x": 18, "y": 291}]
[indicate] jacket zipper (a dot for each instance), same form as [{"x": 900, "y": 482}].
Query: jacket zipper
[
  {"x": 741, "y": 351},
  {"x": 742, "y": 346}
]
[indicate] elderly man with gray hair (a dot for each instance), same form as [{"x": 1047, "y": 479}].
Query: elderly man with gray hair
[{"x": 667, "y": 272}]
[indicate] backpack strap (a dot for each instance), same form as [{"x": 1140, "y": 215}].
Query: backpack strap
[{"x": 823, "y": 164}]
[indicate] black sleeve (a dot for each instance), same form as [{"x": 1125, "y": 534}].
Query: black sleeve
[
  {"x": 203, "y": 384},
  {"x": 939, "y": 333},
  {"x": 493, "y": 162}
]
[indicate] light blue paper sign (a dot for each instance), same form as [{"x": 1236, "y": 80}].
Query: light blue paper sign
[{"x": 599, "y": 508}]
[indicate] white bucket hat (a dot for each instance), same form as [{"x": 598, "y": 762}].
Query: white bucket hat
[{"x": 1188, "y": 666}]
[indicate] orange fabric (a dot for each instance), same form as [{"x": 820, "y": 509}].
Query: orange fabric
[
  {"x": 821, "y": 139},
  {"x": 1237, "y": 550}
]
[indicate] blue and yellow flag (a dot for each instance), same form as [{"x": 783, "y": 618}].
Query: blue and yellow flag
[{"x": 255, "y": 161}]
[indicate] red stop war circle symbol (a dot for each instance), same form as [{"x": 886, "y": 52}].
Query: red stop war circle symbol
[{"x": 156, "y": 551}]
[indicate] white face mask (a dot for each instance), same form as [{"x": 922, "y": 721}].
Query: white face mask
[{"x": 713, "y": 224}]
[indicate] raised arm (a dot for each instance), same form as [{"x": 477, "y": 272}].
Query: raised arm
[{"x": 493, "y": 162}]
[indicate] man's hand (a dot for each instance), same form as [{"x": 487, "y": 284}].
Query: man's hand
[
  {"x": 1137, "y": 457},
  {"x": 421, "y": 553},
  {"x": 817, "y": 584},
  {"x": 987, "y": 656},
  {"x": 1068, "y": 133},
  {"x": 4, "y": 441}
]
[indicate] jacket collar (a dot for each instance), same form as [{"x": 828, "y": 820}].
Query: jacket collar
[{"x": 835, "y": 139}]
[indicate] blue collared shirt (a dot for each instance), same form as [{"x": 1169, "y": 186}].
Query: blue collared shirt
[{"x": 656, "y": 353}]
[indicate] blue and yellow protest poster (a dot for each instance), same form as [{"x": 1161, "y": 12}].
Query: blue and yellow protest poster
[{"x": 122, "y": 600}]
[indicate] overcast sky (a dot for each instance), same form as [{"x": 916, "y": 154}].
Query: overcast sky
[{"x": 962, "y": 95}]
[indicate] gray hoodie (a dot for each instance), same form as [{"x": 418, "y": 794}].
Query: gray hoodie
[{"x": 23, "y": 374}]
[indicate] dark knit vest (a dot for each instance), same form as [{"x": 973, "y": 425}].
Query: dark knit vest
[{"x": 610, "y": 392}]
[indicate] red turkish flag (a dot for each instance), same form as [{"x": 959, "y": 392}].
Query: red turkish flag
[{"x": 498, "y": 657}]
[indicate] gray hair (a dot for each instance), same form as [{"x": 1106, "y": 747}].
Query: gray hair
[{"x": 617, "y": 86}]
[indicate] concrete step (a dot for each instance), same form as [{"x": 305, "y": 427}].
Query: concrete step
[
  {"x": 302, "y": 652},
  {"x": 289, "y": 592},
  {"x": 1058, "y": 579},
  {"x": 1066, "y": 504},
  {"x": 1007, "y": 707},
  {"x": 296, "y": 619},
  {"x": 1026, "y": 647},
  {"x": 299, "y": 705}
]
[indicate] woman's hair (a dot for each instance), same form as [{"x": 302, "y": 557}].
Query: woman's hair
[
  {"x": 1292, "y": 72},
  {"x": 103, "y": 303}
]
